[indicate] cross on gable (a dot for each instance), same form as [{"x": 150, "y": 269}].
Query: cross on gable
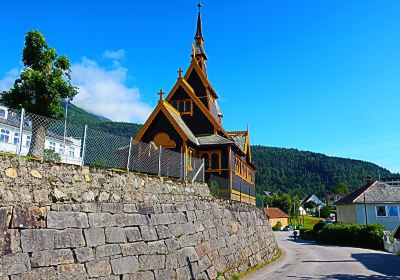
[
  {"x": 180, "y": 71},
  {"x": 161, "y": 93}
]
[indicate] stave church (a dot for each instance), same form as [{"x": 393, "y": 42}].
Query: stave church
[{"x": 189, "y": 120}]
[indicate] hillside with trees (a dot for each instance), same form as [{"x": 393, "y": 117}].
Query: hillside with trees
[{"x": 302, "y": 173}]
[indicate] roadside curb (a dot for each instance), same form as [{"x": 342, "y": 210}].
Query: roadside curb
[{"x": 279, "y": 256}]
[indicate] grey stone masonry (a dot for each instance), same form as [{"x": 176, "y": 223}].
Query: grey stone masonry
[{"x": 70, "y": 222}]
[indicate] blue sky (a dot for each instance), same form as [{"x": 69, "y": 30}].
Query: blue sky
[{"x": 313, "y": 75}]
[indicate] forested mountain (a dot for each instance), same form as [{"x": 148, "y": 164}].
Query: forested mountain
[
  {"x": 278, "y": 169},
  {"x": 79, "y": 116},
  {"x": 304, "y": 173}
]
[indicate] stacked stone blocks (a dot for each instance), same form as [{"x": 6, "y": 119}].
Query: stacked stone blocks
[{"x": 183, "y": 233}]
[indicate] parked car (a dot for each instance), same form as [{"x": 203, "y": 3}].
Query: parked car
[{"x": 288, "y": 228}]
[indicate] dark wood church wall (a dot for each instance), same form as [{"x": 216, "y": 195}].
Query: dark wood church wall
[
  {"x": 198, "y": 123},
  {"x": 162, "y": 124},
  {"x": 199, "y": 89},
  {"x": 240, "y": 185}
]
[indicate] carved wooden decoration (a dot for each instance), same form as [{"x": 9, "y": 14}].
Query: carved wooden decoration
[{"x": 162, "y": 139}]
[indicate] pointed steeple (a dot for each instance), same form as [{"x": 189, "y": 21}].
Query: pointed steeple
[
  {"x": 198, "y": 49},
  {"x": 199, "y": 33}
]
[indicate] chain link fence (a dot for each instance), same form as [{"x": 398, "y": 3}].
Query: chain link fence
[{"x": 26, "y": 134}]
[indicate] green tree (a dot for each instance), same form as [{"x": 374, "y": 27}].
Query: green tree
[
  {"x": 43, "y": 83},
  {"x": 325, "y": 211},
  {"x": 342, "y": 188},
  {"x": 310, "y": 205}
]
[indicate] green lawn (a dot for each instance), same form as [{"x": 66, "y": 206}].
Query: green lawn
[{"x": 307, "y": 220}]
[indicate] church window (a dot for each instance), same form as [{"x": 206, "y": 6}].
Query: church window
[
  {"x": 206, "y": 159},
  {"x": 214, "y": 161},
  {"x": 243, "y": 171},
  {"x": 183, "y": 106}
]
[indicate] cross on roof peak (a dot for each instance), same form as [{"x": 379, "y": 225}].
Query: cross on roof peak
[
  {"x": 161, "y": 93},
  {"x": 180, "y": 71}
]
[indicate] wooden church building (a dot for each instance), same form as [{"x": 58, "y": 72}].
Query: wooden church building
[{"x": 189, "y": 120}]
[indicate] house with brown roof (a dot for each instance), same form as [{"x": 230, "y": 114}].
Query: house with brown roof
[
  {"x": 276, "y": 215},
  {"x": 375, "y": 203}
]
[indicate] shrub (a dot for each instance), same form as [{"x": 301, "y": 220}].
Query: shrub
[
  {"x": 307, "y": 233},
  {"x": 318, "y": 226},
  {"x": 214, "y": 188},
  {"x": 325, "y": 212},
  {"x": 50, "y": 155},
  {"x": 277, "y": 227},
  {"x": 370, "y": 236}
]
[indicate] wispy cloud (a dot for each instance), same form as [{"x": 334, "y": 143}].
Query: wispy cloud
[
  {"x": 118, "y": 54},
  {"x": 104, "y": 92},
  {"x": 8, "y": 81}
]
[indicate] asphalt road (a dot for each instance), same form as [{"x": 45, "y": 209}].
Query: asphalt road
[{"x": 307, "y": 260}]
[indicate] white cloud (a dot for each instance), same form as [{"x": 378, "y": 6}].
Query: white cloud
[
  {"x": 117, "y": 55},
  {"x": 8, "y": 81},
  {"x": 103, "y": 92}
]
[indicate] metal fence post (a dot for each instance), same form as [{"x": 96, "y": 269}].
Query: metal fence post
[
  {"x": 21, "y": 131},
  {"x": 159, "y": 162},
  {"x": 204, "y": 169},
  {"x": 84, "y": 146},
  {"x": 184, "y": 166},
  {"x": 129, "y": 155}
]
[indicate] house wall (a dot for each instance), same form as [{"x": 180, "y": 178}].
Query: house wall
[
  {"x": 72, "y": 150},
  {"x": 284, "y": 221},
  {"x": 390, "y": 223},
  {"x": 347, "y": 214}
]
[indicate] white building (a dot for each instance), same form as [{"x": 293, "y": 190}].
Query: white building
[
  {"x": 375, "y": 203},
  {"x": 69, "y": 148}
]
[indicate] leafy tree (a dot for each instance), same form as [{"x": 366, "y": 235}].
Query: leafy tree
[
  {"x": 325, "y": 211},
  {"x": 342, "y": 188},
  {"x": 43, "y": 83}
]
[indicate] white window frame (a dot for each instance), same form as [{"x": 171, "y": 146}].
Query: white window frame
[
  {"x": 52, "y": 145},
  {"x": 5, "y": 113},
  {"x": 16, "y": 136},
  {"x": 5, "y": 133},
  {"x": 376, "y": 211},
  {"x": 28, "y": 139},
  {"x": 71, "y": 152}
]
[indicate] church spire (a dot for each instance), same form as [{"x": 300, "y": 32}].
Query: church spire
[
  {"x": 199, "y": 33},
  {"x": 198, "y": 49}
]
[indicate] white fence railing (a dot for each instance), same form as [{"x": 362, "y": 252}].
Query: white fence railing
[{"x": 63, "y": 141}]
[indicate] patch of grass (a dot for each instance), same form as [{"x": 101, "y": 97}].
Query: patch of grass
[
  {"x": 15, "y": 155},
  {"x": 261, "y": 265},
  {"x": 310, "y": 221}
]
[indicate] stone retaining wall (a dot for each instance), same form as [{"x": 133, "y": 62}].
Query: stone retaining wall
[{"x": 68, "y": 222}]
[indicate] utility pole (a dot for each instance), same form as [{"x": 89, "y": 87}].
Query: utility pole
[{"x": 365, "y": 212}]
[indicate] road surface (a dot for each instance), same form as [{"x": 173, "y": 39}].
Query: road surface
[{"x": 307, "y": 260}]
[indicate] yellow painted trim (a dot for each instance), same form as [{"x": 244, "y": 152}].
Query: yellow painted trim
[
  {"x": 230, "y": 168},
  {"x": 195, "y": 65},
  {"x": 209, "y": 153},
  {"x": 161, "y": 107},
  {"x": 190, "y": 91},
  {"x": 242, "y": 194}
]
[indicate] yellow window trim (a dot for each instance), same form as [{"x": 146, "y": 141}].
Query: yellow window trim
[{"x": 209, "y": 153}]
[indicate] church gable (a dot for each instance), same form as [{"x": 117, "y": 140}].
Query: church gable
[
  {"x": 199, "y": 88},
  {"x": 163, "y": 133}
]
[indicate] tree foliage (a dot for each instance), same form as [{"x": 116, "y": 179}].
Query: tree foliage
[
  {"x": 43, "y": 83},
  {"x": 342, "y": 188},
  {"x": 325, "y": 211},
  {"x": 304, "y": 173}
]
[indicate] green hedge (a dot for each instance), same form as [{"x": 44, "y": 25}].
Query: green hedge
[
  {"x": 370, "y": 236},
  {"x": 307, "y": 233}
]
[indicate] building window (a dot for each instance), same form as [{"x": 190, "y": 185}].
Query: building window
[
  {"x": 52, "y": 146},
  {"x": 243, "y": 171},
  {"x": 61, "y": 150},
  {"x": 184, "y": 106},
  {"x": 71, "y": 152},
  {"x": 392, "y": 211},
  {"x": 212, "y": 160},
  {"x": 2, "y": 113},
  {"x": 381, "y": 211},
  {"x": 4, "y": 135},
  {"x": 16, "y": 138},
  {"x": 28, "y": 141}
]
